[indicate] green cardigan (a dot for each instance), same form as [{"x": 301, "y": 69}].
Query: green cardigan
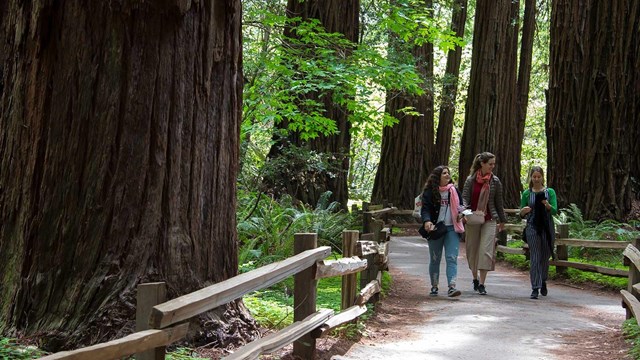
[{"x": 552, "y": 200}]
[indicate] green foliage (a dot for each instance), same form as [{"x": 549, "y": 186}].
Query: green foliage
[
  {"x": 10, "y": 349},
  {"x": 273, "y": 307},
  {"x": 579, "y": 228},
  {"x": 266, "y": 227},
  {"x": 182, "y": 353},
  {"x": 631, "y": 332}
]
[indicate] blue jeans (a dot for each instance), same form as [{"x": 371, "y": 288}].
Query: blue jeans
[{"x": 451, "y": 244}]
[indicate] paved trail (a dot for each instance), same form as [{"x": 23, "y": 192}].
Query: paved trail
[{"x": 505, "y": 324}]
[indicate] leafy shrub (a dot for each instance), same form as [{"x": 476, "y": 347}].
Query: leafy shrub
[
  {"x": 10, "y": 349},
  {"x": 266, "y": 227}
]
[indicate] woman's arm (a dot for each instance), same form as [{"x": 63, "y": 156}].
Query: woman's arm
[
  {"x": 466, "y": 193},
  {"x": 553, "y": 201},
  {"x": 425, "y": 212}
]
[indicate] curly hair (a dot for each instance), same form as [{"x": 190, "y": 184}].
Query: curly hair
[{"x": 433, "y": 182}]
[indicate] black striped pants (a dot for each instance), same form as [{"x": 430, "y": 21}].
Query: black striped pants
[{"x": 539, "y": 253}]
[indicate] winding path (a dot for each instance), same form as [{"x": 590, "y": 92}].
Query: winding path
[{"x": 569, "y": 323}]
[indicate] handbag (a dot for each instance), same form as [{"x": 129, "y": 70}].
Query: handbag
[
  {"x": 417, "y": 208},
  {"x": 438, "y": 231},
  {"x": 475, "y": 217}
]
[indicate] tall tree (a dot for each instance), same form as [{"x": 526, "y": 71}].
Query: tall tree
[
  {"x": 593, "y": 117},
  {"x": 524, "y": 78},
  {"x": 406, "y": 145},
  {"x": 336, "y": 16},
  {"x": 442, "y": 151},
  {"x": 119, "y": 133},
  {"x": 489, "y": 119}
]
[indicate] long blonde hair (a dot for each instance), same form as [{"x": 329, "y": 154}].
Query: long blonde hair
[{"x": 482, "y": 157}]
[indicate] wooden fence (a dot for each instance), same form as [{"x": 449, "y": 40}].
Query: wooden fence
[
  {"x": 160, "y": 323},
  {"x": 377, "y": 215}
]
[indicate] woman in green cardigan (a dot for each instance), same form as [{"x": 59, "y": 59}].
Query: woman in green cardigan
[{"x": 537, "y": 205}]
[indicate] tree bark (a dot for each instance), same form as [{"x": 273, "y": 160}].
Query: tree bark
[
  {"x": 524, "y": 77},
  {"x": 406, "y": 145},
  {"x": 592, "y": 122},
  {"x": 490, "y": 124},
  {"x": 337, "y": 16},
  {"x": 442, "y": 151},
  {"x": 119, "y": 153}
]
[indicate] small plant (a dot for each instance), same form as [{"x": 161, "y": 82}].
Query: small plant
[
  {"x": 183, "y": 354},
  {"x": 10, "y": 349},
  {"x": 631, "y": 332}
]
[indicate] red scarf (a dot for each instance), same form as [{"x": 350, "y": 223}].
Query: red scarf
[
  {"x": 483, "y": 199},
  {"x": 453, "y": 200}
]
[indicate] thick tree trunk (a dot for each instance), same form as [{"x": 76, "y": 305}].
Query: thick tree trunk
[
  {"x": 524, "y": 76},
  {"x": 442, "y": 151},
  {"x": 490, "y": 124},
  {"x": 593, "y": 99},
  {"x": 119, "y": 134},
  {"x": 404, "y": 160},
  {"x": 337, "y": 16}
]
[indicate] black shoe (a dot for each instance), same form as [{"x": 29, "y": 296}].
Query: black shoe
[
  {"x": 534, "y": 294},
  {"x": 482, "y": 290},
  {"x": 434, "y": 291},
  {"x": 543, "y": 290},
  {"x": 453, "y": 292},
  {"x": 476, "y": 282}
]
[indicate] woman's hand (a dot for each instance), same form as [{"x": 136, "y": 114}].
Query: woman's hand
[
  {"x": 500, "y": 227},
  {"x": 524, "y": 211},
  {"x": 546, "y": 204},
  {"x": 428, "y": 226}
]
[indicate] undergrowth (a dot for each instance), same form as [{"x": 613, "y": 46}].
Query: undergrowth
[
  {"x": 11, "y": 349},
  {"x": 631, "y": 332}
]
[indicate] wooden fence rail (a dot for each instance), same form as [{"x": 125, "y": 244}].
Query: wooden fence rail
[
  {"x": 371, "y": 218},
  {"x": 154, "y": 315},
  {"x": 632, "y": 294}
]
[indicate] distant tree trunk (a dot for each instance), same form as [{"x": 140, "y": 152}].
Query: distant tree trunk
[
  {"x": 119, "y": 133},
  {"x": 592, "y": 122},
  {"x": 337, "y": 16},
  {"x": 404, "y": 161},
  {"x": 442, "y": 151},
  {"x": 524, "y": 77},
  {"x": 490, "y": 124}
]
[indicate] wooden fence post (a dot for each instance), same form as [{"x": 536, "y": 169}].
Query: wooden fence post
[
  {"x": 304, "y": 295},
  {"x": 367, "y": 219},
  {"x": 371, "y": 272},
  {"x": 562, "y": 250},
  {"x": 149, "y": 295},
  {"x": 502, "y": 240},
  {"x": 634, "y": 278},
  {"x": 349, "y": 281}
]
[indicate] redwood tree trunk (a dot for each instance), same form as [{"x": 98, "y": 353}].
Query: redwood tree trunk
[
  {"x": 524, "y": 77},
  {"x": 406, "y": 145},
  {"x": 337, "y": 16},
  {"x": 593, "y": 117},
  {"x": 442, "y": 151},
  {"x": 119, "y": 134},
  {"x": 490, "y": 124}
]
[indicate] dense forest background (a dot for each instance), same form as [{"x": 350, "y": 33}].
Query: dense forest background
[{"x": 425, "y": 83}]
